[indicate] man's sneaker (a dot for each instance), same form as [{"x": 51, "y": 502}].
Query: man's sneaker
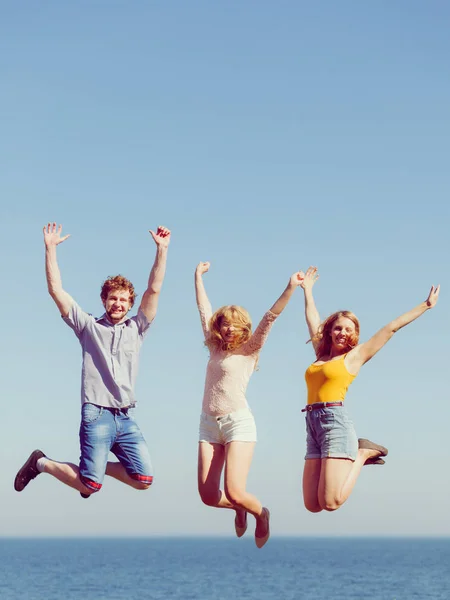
[{"x": 28, "y": 471}]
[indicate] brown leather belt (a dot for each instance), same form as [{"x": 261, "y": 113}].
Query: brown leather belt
[{"x": 317, "y": 405}]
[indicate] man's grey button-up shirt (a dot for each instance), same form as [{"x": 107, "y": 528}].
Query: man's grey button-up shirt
[{"x": 110, "y": 356}]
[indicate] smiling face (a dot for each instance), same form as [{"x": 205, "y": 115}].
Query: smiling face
[
  {"x": 117, "y": 305},
  {"x": 229, "y": 328},
  {"x": 343, "y": 333},
  {"x": 339, "y": 333},
  {"x": 227, "y": 331}
]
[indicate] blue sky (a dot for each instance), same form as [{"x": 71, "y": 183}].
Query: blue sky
[{"x": 268, "y": 137}]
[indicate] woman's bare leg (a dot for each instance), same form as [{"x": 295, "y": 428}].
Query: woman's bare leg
[
  {"x": 238, "y": 460},
  {"x": 211, "y": 458},
  {"x": 311, "y": 479},
  {"x": 338, "y": 477}
]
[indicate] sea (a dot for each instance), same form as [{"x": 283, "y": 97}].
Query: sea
[{"x": 224, "y": 569}]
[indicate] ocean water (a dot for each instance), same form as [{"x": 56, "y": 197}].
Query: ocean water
[{"x": 224, "y": 569}]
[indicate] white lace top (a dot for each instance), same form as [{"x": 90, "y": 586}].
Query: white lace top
[{"x": 228, "y": 372}]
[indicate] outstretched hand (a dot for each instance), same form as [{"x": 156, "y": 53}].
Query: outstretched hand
[
  {"x": 202, "y": 268},
  {"x": 161, "y": 237},
  {"x": 297, "y": 279},
  {"x": 52, "y": 235},
  {"x": 433, "y": 296},
  {"x": 311, "y": 276}
]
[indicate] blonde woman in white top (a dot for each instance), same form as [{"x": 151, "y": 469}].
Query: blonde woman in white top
[{"x": 227, "y": 427}]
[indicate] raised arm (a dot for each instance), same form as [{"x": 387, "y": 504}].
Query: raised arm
[
  {"x": 258, "y": 339},
  {"x": 295, "y": 280},
  {"x": 52, "y": 238},
  {"x": 364, "y": 352},
  {"x": 311, "y": 313},
  {"x": 149, "y": 302},
  {"x": 203, "y": 303}
]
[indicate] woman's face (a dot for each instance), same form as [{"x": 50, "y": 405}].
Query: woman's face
[
  {"x": 342, "y": 331},
  {"x": 227, "y": 331}
]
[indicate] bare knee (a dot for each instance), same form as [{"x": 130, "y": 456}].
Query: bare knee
[
  {"x": 235, "y": 496},
  {"x": 331, "y": 504},
  {"x": 209, "y": 497},
  {"x": 313, "y": 507},
  {"x": 331, "y": 507},
  {"x": 87, "y": 493},
  {"x": 311, "y": 501}
]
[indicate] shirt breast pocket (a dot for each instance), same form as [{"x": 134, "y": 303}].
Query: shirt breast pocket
[
  {"x": 129, "y": 348},
  {"x": 129, "y": 344}
]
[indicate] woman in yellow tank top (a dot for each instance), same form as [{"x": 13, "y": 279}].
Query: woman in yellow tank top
[{"x": 334, "y": 455}]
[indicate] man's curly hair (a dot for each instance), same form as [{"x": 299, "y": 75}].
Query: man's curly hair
[{"x": 117, "y": 282}]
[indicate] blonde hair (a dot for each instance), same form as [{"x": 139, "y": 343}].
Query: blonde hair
[
  {"x": 240, "y": 320},
  {"x": 323, "y": 335}
]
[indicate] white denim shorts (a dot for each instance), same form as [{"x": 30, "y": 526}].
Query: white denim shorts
[{"x": 237, "y": 426}]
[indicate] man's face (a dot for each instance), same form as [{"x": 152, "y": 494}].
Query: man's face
[{"x": 117, "y": 305}]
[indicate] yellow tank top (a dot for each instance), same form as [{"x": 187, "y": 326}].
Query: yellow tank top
[{"x": 328, "y": 382}]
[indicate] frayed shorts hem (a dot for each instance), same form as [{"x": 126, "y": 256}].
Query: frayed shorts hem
[{"x": 331, "y": 455}]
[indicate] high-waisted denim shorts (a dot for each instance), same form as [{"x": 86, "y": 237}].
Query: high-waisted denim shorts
[
  {"x": 330, "y": 434},
  {"x": 238, "y": 426}
]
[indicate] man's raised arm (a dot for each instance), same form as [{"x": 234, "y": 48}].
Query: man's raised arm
[
  {"x": 52, "y": 237},
  {"x": 149, "y": 303}
]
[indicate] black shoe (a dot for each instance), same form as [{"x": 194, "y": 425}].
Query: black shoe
[
  {"x": 28, "y": 471},
  {"x": 85, "y": 495}
]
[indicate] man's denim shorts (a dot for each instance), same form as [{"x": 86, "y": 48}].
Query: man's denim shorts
[
  {"x": 330, "y": 434},
  {"x": 237, "y": 426},
  {"x": 105, "y": 430}
]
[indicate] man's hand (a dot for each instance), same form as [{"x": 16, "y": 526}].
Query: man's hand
[
  {"x": 52, "y": 235},
  {"x": 161, "y": 237},
  {"x": 52, "y": 238}
]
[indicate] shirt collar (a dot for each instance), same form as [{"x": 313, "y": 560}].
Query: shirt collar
[{"x": 105, "y": 319}]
